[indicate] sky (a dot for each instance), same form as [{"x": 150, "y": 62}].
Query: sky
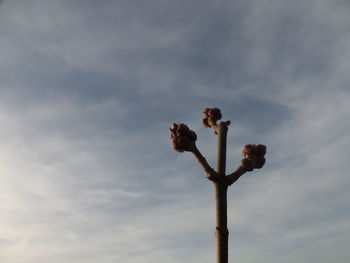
[{"x": 88, "y": 90}]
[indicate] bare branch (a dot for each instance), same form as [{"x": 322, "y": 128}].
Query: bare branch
[
  {"x": 233, "y": 177},
  {"x": 210, "y": 173}
]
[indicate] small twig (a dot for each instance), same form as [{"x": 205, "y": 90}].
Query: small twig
[
  {"x": 233, "y": 177},
  {"x": 210, "y": 173}
]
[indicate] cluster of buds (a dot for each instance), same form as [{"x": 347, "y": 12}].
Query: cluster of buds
[
  {"x": 211, "y": 116},
  {"x": 253, "y": 156},
  {"x": 182, "y": 138}
]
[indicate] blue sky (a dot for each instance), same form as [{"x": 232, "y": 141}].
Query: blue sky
[{"x": 90, "y": 88}]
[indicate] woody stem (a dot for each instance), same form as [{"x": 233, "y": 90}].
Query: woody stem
[{"x": 221, "y": 197}]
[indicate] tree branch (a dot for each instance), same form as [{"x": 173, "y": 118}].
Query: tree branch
[
  {"x": 210, "y": 173},
  {"x": 233, "y": 177}
]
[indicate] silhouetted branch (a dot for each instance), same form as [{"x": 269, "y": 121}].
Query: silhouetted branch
[
  {"x": 210, "y": 173},
  {"x": 233, "y": 177}
]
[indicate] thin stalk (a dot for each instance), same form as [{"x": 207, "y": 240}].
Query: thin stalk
[
  {"x": 233, "y": 177},
  {"x": 210, "y": 173},
  {"x": 221, "y": 197}
]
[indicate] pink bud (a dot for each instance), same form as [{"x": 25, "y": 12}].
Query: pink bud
[
  {"x": 174, "y": 127},
  {"x": 247, "y": 164},
  {"x": 206, "y": 112},
  {"x": 182, "y": 130},
  {"x": 215, "y": 114},
  {"x": 176, "y": 146},
  {"x": 183, "y": 142},
  {"x": 192, "y": 136},
  {"x": 173, "y": 130},
  {"x": 206, "y": 123},
  {"x": 182, "y": 137},
  {"x": 248, "y": 149},
  {"x": 260, "y": 150},
  {"x": 260, "y": 161}
]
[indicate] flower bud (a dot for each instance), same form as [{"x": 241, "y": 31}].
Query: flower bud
[
  {"x": 183, "y": 142},
  {"x": 182, "y": 138},
  {"x": 173, "y": 130},
  {"x": 247, "y": 164},
  {"x": 192, "y": 135},
  {"x": 176, "y": 146},
  {"x": 248, "y": 149},
  {"x": 206, "y": 112},
  {"x": 215, "y": 114},
  {"x": 206, "y": 123},
  {"x": 260, "y": 161},
  {"x": 260, "y": 150},
  {"x": 182, "y": 130},
  {"x": 174, "y": 127}
]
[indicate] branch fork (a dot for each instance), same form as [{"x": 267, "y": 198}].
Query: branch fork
[{"x": 209, "y": 172}]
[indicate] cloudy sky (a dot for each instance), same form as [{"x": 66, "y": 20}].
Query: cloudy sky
[{"x": 88, "y": 90}]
